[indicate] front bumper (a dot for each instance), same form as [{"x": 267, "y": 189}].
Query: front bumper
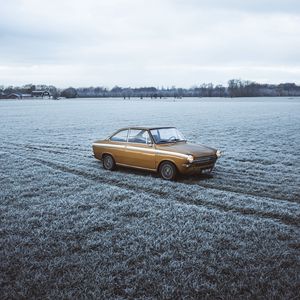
[{"x": 199, "y": 164}]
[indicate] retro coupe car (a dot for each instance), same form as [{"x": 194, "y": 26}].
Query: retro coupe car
[{"x": 158, "y": 149}]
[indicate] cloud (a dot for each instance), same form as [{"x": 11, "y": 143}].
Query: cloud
[
  {"x": 138, "y": 42},
  {"x": 252, "y": 6}
]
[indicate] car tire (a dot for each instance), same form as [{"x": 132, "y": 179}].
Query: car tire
[
  {"x": 167, "y": 171},
  {"x": 108, "y": 162}
]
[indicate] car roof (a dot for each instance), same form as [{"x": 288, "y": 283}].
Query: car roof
[{"x": 145, "y": 127}]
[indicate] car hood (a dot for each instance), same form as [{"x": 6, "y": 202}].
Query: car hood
[{"x": 187, "y": 148}]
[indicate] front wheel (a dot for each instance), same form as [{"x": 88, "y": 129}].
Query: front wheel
[
  {"x": 167, "y": 171},
  {"x": 108, "y": 162}
]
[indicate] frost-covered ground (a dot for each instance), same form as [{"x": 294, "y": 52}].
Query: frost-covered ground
[{"x": 70, "y": 229}]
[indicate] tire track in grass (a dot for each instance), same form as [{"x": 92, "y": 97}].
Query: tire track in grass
[
  {"x": 287, "y": 220},
  {"x": 34, "y": 148},
  {"x": 55, "y": 151},
  {"x": 59, "y": 146},
  {"x": 183, "y": 199},
  {"x": 226, "y": 185},
  {"x": 46, "y": 147},
  {"x": 200, "y": 183},
  {"x": 229, "y": 188},
  {"x": 274, "y": 186},
  {"x": 226, "y": 188}
]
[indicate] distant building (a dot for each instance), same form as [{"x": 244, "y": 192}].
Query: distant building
[
  {"x": 13, "y": 96},
  {"x": 17, "y": 96},
  {"x": 40, "y": 94},
  {"x": 25, "y": 96}
]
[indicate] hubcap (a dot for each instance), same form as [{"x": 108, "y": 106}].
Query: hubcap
[
  {"x": 167, "y": 172},
  {"x": 108, "y": 162}
]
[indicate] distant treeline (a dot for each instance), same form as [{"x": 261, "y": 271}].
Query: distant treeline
[{"x": 235, "y": 88}]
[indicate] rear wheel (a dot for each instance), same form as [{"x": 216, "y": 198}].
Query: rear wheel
[
  {"x": 167, "y": 171},
  {"x": 108, "y": 162}
]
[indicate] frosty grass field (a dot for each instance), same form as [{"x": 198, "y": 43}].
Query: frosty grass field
[{"x": 70, "y": 229}]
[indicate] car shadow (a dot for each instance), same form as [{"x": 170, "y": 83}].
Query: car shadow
[
  {"x": 187, "y": 179},
  {"x": 196, "y": 177}
]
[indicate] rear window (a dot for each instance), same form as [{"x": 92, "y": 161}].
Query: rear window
[{"x": 120, "y": 136}]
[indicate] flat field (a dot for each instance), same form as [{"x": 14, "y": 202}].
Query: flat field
[{"x": 70, "y": 229}]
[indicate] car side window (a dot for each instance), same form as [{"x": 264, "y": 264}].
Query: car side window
[
  {"x": 139, "y": 136},
  {"x": 155, "y": 135},
  {"x": 120, "y": 136}
]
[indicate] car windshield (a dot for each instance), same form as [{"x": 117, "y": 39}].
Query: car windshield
[{"x": 167, "y": 135}]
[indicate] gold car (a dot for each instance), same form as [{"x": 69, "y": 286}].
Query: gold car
[{"x": 158, "y": 149}]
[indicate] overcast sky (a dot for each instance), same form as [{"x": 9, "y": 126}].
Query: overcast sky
[{"x": 148, "y": 42}]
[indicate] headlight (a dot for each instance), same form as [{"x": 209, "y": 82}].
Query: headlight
[
  {"x": 218, "y": 153},
  {"x": 190, "y": 158}
]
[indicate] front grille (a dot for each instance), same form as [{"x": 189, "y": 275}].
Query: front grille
[{"x": 205, "y": 160}]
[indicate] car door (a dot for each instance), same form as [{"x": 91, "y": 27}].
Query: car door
[
  {"x": 140, "y": 149},
  {"x": 117, "y": 145}
]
